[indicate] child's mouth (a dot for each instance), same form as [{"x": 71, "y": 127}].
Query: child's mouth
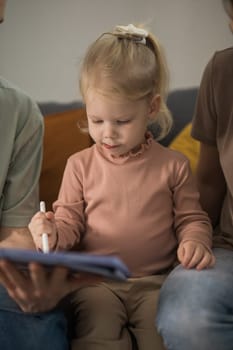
[{"x": 105, "y": 145}]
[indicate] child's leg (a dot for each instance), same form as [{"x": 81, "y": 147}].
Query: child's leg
[
  {"x": 100, "y": 320},
  {"x": 142, "y": 305}
]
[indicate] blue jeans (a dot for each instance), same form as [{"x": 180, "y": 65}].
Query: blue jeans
[
  {"x": 195, "y": 310},
  {"x": 23, "y": 331}
]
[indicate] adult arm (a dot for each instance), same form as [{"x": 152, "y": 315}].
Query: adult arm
[
  {"x": 211, "y": 182},
  {"x": 21, "y": 135},
  {"x": 16, "y": 237}
]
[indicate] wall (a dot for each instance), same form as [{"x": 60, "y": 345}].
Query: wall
[{"x": 42, "y": 41}]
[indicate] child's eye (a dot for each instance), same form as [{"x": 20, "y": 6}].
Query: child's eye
[
  {"x": 97, "y": 121},
  {"x": 123, "y": 121}
]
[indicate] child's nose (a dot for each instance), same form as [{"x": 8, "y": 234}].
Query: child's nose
[{"x": 109, "y": 130}]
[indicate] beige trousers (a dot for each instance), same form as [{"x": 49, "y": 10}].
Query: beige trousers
[{"x": 117, "y": 315}]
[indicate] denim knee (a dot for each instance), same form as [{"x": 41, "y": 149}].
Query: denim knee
[
  {"x": 22, "y": 331},
  {"x": 175, "y": 310},
  {"x": 33, "y": 332},
  {"x": 195, "y": 309}
]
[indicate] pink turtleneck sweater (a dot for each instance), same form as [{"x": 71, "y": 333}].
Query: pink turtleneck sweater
[{"x": 138, "y": 207}]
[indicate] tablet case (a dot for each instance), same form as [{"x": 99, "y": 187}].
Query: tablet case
[{"x": 107, "y": 266}]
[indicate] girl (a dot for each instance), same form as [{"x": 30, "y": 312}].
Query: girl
[{"x": 126, "y": 195}]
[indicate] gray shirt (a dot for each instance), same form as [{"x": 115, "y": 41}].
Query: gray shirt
[{"x": 21, "y": 135}]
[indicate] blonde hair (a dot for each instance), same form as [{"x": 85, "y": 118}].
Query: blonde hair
[{"x": 130, "y": 68}]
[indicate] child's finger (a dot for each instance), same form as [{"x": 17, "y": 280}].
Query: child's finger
[
  {"x": 207, "y": 261},
  {"x": 213, "y": 261},
  {"x": 49, "y": 215},
  {"x": 185, "y": 254},
  {"x": 196, "y": 258},
  {"x": 180, "y": 253}
]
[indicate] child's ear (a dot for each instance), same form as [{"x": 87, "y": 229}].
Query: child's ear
[{"x": 154, "y": 106}]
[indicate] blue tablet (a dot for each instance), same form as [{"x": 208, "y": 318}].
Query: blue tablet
[{"x": 107, "y": 266}]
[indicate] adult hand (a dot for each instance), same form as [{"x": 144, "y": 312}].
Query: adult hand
[{"x": 39, "y": 290}]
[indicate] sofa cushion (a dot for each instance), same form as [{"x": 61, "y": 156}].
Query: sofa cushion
[
  {"x": 185, "y": 144},
  {"x": 181, "y": 103},
  {"x": 62, "y": 138}
]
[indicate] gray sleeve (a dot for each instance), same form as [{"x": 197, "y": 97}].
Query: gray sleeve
[{"x": 20, "y": 194}]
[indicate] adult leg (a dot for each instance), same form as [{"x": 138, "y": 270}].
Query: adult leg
[
  {"x": 195, "y": 308},
  {"x": 142, "y": 305},
  {"x": 100, "y": 320},
  {"x": 23, "y": 331}
]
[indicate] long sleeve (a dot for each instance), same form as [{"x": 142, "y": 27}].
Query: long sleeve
[
  {"x": 69, "y": 209},
  {"x": 21, "y": 136},
  {"x": 137, "y": 208},
  {"x": 190, "y": 221}
]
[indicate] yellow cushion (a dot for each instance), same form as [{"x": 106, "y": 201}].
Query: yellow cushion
[{"x": 185, "y": 144}]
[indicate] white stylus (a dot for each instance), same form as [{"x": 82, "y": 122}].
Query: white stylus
[{"x": 45, "y": 241}]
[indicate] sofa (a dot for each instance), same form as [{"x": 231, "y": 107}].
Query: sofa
[{"x": 63, "y": 136}]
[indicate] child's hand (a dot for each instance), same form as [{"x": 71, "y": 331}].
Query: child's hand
[
  {"x": 43, "y": 223},
  {"x": 193, "y": 254}
]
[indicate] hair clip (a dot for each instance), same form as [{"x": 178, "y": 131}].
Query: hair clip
[{"x": 132, "y": 32}]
